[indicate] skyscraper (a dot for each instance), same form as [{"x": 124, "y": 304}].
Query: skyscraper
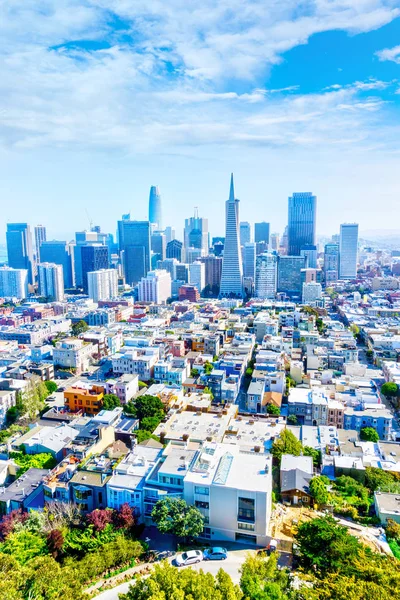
[
  {"x": 158, "y": 245},
  {"x": 102, "y": 284},
  {"x": 348, "y": 251},
  {"x": 289, "y": 274},
  {"x": 197, "y": 275},
  {"x": 232, "y": 273},
  {"x": 175, "y": 250},
  {"x": 261, "y": 232},
  {"x": 196, "y": 233},
  {"x": 301, "y": 222},
  {"x": 155, "y": 213},
  {"x": 266, "y": 275},
  {"x": 94, "y": 258},
  {"x": 19, "y": 248},
  {"x": 134, "y": 242},
  {"x": 51, "y": 281},
  {"x": 310, "y": 253},
  {"x": 249, "y": 260},
  {"x": 331, "y": 263},
  {"x": 60, "y": 253},
  {"x": 40, "y": 237},
  {"x": 245, "y": 232},
  {"x": 13, "y": 283},
  {"x": 213, "y": 265}
]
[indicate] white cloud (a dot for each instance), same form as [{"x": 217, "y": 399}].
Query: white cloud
[
  {"x": 172, "y": 78},
  {"x": 392, "y": 54}
]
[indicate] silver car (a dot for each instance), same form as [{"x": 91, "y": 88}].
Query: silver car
[{"x": 189, "y": 558}]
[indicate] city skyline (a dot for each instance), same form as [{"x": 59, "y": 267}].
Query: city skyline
[{"x": 94, "y": 111}]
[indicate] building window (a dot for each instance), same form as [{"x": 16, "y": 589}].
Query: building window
[
  {"x": 246, "y": 510},
  {"x": 200, "y": 504},
  {"x": 246, "y": 526},
  {"x": 202, "y": 491}
]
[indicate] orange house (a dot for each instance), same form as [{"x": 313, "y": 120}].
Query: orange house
[{"x": 89, "y": 401}]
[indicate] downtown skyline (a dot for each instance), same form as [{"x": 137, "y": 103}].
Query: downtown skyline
[{"x": 99, "y": 106}]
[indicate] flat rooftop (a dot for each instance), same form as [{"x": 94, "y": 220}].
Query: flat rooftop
[
  {"x": 248, "y": 432},
  {"x": 198, "y": 426}
]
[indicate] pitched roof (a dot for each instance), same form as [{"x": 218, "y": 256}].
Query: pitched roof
[{"x": 295, "y": 480}]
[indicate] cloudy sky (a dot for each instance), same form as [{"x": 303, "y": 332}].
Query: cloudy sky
[{"x": 101, "y": 99}]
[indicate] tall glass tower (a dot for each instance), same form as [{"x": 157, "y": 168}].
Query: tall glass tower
[
  {"x": 301, "y": 222},
  {"x": 19, "y": 248},
  {"x": 155, "y": 213},
  {"x": 348, "y": 250},
  {"x": 232, "y": 273}
]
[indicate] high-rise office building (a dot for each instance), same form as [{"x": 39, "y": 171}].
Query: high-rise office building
[
  {"x": 232, "y": 272},
  {"x": 182, "y": 272},
  {"x": 196, "y": 233},
  {"x": 197, "y": 275},
  {"x": 159, "y": 245},
  {"x": 245, "y": 232},
  {"x": 274, "y": 240},
  {"x": 13, "y": 283},
  {"x": 301, "y": 222},
  {"x": 83, "y": 238},
  {"x": 155, "y": 287},
  {"x": 175, "y": 250},
  {"x": 155, "y": 212},
  {"x": 311, "y": 293},
  {"x": 94, "y": 258},
  {"x": 289, "y": 274},
  {"x": 310, "y": 253},
  {"x": 60, "y": 253},
  {"x": 331, "y": 263},
  {"x": 19, "y": 248},
  {"x": 266, "y": 275},
  {"x": 213, "y": 271},
  {"x": 51, "y": 281},
  {"x": 103, "y": 284},
  {"x": 134, "y": 241},
  {"x": 261, "y": 232},
  {"x": 169, "y": 234},
  {"x": 40, "y": 237},
  {"x": 348, "y": 251},
  {"x": 249, "y": 260}
]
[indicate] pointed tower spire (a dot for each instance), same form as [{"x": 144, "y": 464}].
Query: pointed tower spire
[{"x": 232, "y": 190}]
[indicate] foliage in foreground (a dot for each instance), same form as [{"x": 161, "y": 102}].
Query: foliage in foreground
[{"x": 174, "y": 515}]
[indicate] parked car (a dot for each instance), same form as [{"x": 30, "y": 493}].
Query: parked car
[
  {"x": 216, "y": 553},
  {"x": 61, "y": 389},
  {"x": 189, "y": 558},
  {"x": 50, "y": 398}
]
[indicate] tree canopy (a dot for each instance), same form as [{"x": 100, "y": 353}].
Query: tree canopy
[
  {"x": 111, "y": 401},
  {"x": 369, "y": 434},
  {"x": 146, "y": 406},
  {"x": 174, "y": 515},
  {"x": 390, "y": 389},
  {"x": 79, "y": 327},
  {"x": 287, "y": 443}
]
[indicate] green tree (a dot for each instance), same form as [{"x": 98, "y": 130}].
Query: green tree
[
  {"x": 111, "y": 401},
  {"x": 167, "y": 583},
  {"x": 51, "y": 386},
  {"x": 292, "y": 420},
  {"x": 272, "y": 409},
  {"x": 142, "y": 435},
  {"x": 319, "y": 489},
  {"x": 315, "y": 454},
  {"x": 208, "y": 367},
  {"x": 393, "y": 530},
  {"x": 287, "y": 443},
  {"x": 145, "y": 406},
  {"x": 174, "y": 515},
  {"x": 262, "y": 580},
  {"x": 377, "y": 479},
  {"x": 369, "y": 434},
  {"x": 208, "y": 391},
  {"x": 79, "y": 327},
  {"x": 47, "y": 580},
  {"x": 326, "y": 546},
  {"x": 32, "y": 399},
  {"x": 390, "y": 389},
  {"x": 194, "y": 373},
  {"x": 150, "y": 423},
  {"x": 24, "y": 546},
  {"x": 12, "y": 415},
  {"x": 44, "y": 460},
  {"x": 355, "y": 330}
]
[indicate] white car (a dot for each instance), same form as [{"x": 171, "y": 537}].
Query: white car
[{"x": 189, "y": 558}]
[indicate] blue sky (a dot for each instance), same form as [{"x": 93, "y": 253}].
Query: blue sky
[{"x": 100, "y": 100}]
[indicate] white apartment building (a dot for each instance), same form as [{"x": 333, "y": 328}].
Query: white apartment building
[
  {"x": 155, "y": 287},
  {"x": 13, "y": 283},
  {"x": 311, "y": 292},
  {"x": 51, "y": 281},
  {"x": 8, "y": 399},
  {"x": 197, "y": 275},
  {"x": 73, "y": 353},
  {"x": 125, "y": 387},
  {"x": 266, "y": 275},
  {"x": 232, "y": 489},
  {"x": 103, "y": 284},
  {"x": 136, "y": 362}
]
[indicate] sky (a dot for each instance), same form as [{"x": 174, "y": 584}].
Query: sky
[{"x": 101, "y": 99}]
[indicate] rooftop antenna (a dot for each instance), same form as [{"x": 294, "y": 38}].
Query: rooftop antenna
[{"x": 196, "y": 212}]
